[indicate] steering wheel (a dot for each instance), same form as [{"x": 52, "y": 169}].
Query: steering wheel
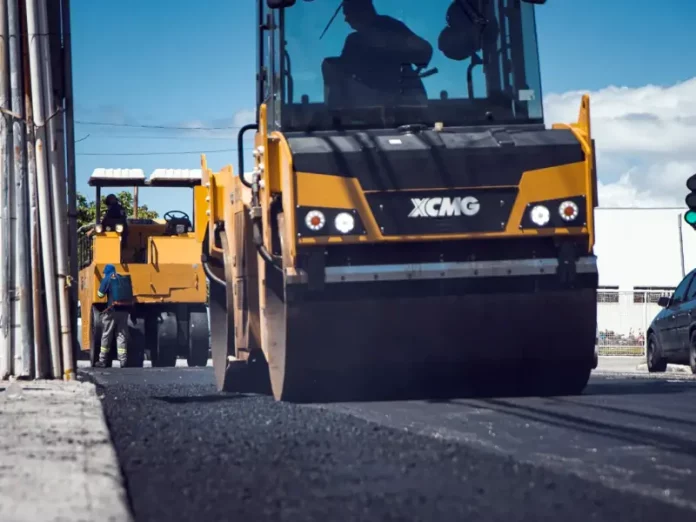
[{"x": 172, "y": 216}]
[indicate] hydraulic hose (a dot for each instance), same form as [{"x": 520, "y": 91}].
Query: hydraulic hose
[
  {"x": 240, "y": 151},
  {"x": 263, "y": 251},
  {"x": 206, "y": 265},
  {"x": 257, "y": 230},
  {"x": 209, "y": 273}
]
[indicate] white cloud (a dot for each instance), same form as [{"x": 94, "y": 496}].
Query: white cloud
[
  {"x": 244, "y": 117},
  {"x": 645, "y": 139},
  {"x": 225, "y": 128}
]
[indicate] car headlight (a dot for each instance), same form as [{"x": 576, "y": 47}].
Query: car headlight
[
  {"x": 99, "y": 229},
  {"x": 344, "y": 222},
  {"x": 540, "y": 215},
  {"x": 568, "y": 210},
  {"x": 315, "y": 220},
  {"x": 119, "y": 228},
  {"x": 180, "y": 229}
]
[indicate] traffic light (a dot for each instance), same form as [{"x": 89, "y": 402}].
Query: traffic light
[{"x": 690, "y": 215}]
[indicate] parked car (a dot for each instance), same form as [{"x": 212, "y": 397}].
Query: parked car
[{"x": 672, "y": 333}]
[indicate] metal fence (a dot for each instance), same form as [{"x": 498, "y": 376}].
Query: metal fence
[{"x": 623, "y": 317}]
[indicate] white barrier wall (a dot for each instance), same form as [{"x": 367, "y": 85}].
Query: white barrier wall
[
  {"x": 639, "y": 255},
  {"x": 623, "y": 322}
]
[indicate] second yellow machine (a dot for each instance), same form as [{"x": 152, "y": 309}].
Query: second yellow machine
[
  {"x": 162, "y": 257},
  {"x": 410, "y": 225}
]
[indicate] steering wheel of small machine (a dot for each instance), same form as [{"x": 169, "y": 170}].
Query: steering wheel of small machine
[{"x": 177, "y": 215}]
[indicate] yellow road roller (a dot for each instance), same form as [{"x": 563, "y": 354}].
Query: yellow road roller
[
  {"x": 162, "y": 257},
  {"x": 410, "y": 225}
]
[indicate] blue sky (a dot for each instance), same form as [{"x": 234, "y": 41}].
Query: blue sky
[{"x": 139, "y": 63}]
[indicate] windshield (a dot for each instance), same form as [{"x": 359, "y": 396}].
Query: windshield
[{"x": 386, "y": 63}]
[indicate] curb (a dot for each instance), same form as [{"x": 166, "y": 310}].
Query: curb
[{"x": 671, "y": 368}]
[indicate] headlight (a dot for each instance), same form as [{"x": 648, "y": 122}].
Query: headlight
[
  {"x": 119, "y": 228},
  {"x": 568, "y": 210},
  {"x": 344, "y": 222},
  {"x": 190, "y": 229},
  {"x": 180, "y": 229},
  {"x": 99, "y": 229},
  {"x": 540, "y": 215},
  {"x": 315, "y": 220}
]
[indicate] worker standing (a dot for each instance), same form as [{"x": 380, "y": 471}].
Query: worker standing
[{"x": 119, "y": 293}]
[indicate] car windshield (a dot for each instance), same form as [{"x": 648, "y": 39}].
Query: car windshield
[{"x": 385, "y": 63}]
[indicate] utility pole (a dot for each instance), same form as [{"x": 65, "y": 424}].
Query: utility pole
[
  {"x": 44, "y": 189},
  {"x": 41, "y": 352},
  {"x": 58, "y": 185},
  {"x": 681, "y": 245},
  {"x": 70, "y": 152},
  {"x": 5, "y": 228},
  {"x": 23, "y": 318},
  {"x": 135, "y": 202}
]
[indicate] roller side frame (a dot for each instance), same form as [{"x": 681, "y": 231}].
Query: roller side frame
[{"x": 239, "y": 363}]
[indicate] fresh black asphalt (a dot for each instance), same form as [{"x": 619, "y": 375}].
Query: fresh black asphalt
[{"x": 626, "y": 450}]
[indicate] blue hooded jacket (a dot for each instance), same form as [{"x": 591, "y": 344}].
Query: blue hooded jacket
[{"x": 105, "y": 285}]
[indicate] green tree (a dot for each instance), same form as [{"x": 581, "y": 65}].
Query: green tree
[{"x": 87, "y": 210}]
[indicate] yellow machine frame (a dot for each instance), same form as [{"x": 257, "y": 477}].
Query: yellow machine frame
[
  {"x": 379, "y": 310},
  {"x": 169, "y": 286}
]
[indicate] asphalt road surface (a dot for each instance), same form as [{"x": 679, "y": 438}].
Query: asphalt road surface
[{"x": 626, "y": 450}]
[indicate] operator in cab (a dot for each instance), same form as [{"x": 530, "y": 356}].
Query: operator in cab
[
  {"x": 116, "y": 215},
  {"x": 114, "y": 212},
  {"x": 379, "y": 59},
  {"x": 114, "y": 318}
]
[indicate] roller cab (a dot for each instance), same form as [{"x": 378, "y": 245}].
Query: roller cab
[
  {"x": 162, "y": 258},
  {"x": 404, "y": 241}
]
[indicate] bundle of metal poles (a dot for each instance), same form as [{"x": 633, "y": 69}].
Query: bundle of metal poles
[{"x": 38, "y": 249}]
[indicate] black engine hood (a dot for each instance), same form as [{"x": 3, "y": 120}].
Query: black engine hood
[{"x": 392, "y": 160}]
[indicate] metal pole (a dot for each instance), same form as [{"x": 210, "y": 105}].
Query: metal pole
[
  {"x": 56, "y": 158},
  {"x": 43, "y": 189},
  {"x": 41, "y": 355},
  {"x": 5, "y": 252},
  {"x": 35, "y": 250},
  {"x": 24, "y": 352},
  {"x": 70, "y": 152},
  {"x": 135, "y": 202},
  {"x": 681, "y": 244}
]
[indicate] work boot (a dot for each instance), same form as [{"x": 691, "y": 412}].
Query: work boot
[
  {"x": 122, "y": 357},
  {"x": 103, "y": 361}
]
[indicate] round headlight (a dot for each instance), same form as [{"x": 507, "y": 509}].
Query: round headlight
[
  {"x": 568, "y": 210},
  {"x": 99, "y": 229},
  {"x": 315, "y": 220},
  {"x": 180, "y": 229},
  {"x": 344, "y": 222},
  {"x": 540, "y": 215},
  {"x": 119, "y": 228}
]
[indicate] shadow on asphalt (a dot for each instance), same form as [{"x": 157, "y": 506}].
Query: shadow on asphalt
[
  {"x": 636, "y": 386},
  {"x": 622, "y": 411},
  {"x": 620, "y": 431},
  {"x": 203, "y": 399},
  {"x": 595, "y": 388}
]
